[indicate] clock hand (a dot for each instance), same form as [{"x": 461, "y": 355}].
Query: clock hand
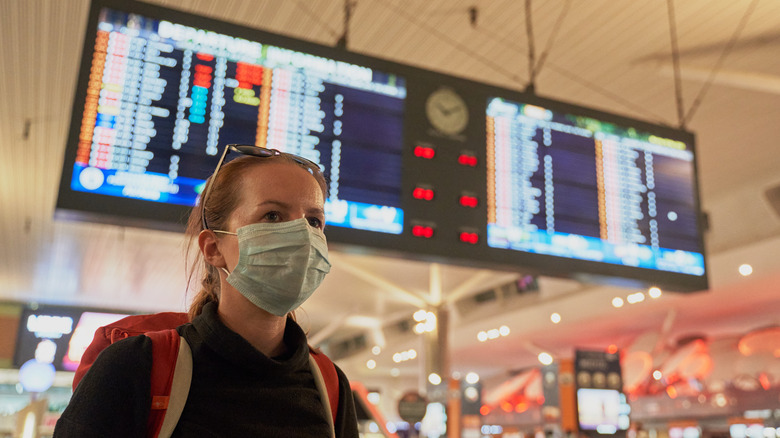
[
  {"x": 455, "y": 108},
  {"x": 442, "y": 108}
]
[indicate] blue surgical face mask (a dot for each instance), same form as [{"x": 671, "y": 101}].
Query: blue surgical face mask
[{"x": 279, "y": 264}]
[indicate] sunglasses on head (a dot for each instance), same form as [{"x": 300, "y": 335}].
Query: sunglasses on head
[{"x": 254, "y": 151}]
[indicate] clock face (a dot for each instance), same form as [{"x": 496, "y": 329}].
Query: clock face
[{"x": 447, "y": 111}]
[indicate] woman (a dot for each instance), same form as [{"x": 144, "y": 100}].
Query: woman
[{"x": 260, "y": 235}]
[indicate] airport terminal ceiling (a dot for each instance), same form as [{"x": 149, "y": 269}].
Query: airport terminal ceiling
[{"x": 609, "y": 57}]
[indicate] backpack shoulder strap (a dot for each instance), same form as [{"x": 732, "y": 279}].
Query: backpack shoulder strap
[
  {"x": 327, "y": 381},
  {"x": 170, "y": 381},
  {"x": 129, "y": 326}
]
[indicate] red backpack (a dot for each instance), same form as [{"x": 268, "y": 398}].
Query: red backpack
[{"x": 172, "y": 366}]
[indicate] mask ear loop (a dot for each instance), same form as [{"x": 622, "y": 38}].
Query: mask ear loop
[{"x": 225, "y": 271}]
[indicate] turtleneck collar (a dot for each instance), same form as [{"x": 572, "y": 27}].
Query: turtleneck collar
[{"x": 232, "y": 347}]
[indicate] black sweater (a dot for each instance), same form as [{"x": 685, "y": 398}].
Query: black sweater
[{"x": 236, "y": 391}]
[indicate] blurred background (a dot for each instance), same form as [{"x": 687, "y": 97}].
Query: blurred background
[{"x": 716, "y": 352}]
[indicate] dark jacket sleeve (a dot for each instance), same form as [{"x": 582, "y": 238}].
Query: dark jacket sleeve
[
  {"x": 113, "y": 398},
  {"x": 346, "y": 421}
]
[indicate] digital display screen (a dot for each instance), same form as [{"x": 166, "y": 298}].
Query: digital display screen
[
  {"x": 163, "y": 98},
  {"x": 573, "y": 186},
  {"x": 420, "y": 165},
  {"x": 598, "y": 410},
  {"x": 58, "y": 335}
]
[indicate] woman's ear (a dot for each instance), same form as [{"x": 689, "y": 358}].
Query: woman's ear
[{"x": 207, "y": 241}]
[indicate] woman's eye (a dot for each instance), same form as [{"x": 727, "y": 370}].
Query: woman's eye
[{"x": 273, "y": 216}]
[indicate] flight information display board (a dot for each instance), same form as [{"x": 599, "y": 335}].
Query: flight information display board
[
  {"x": 576, "y": 187},
  {"x": 419, "y": 164},
  {"x": 162, "y": 96}
]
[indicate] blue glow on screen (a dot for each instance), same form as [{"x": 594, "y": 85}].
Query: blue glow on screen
[
  {"x": 147, "y": 186},
  {"x": 576, "y": 187},
  {"x": 595, "y": 249},
  {"x": 362, "y": 216},
  {"x": 163, "y": 100}
]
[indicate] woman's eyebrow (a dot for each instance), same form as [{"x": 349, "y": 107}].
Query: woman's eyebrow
[
  {"x": 285, "y": 205},
  {"x": 280, "y": 204}
]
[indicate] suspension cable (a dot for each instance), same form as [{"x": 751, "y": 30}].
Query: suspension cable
[
  {"x": 726, "y": 51},
  {"x": 676, "y": 65},
  {"x": 529, "y": 29}
]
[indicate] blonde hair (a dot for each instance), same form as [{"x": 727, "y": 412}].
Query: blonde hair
[{"x": 223, "y": 199}]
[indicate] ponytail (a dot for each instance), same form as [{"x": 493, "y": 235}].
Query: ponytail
[{"x": 208, "y": 293}]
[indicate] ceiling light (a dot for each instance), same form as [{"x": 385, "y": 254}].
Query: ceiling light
[
  {"x": 657, "y": 375},
  {"x": 545, "y": 358},
  {"x": 419, "y": 328},
  {"x": 617, "y": 302},
  {"x": 555, "y": 318},
  {"x": 395, "y": 372},
  {"x": 654, "y": 292},
  {"x": 493, "y": 333},
  {"x": 419, "y": 315},
  {"x": 635, "y": 298},
  {"x": 472, "y": 378},
  {"x": 745, "y": 270},
  {"x": 376, "y": 350},
  {"x": 371, "y": 364},
  {"x": 434, "y": 378}
]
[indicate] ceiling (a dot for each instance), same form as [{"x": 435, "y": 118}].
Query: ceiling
[{"x": 614, "y": 56}]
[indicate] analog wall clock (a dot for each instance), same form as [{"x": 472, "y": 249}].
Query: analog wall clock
[{"x": 447, "y": 111}]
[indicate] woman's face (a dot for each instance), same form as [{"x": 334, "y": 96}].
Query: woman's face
[{"x": 274, "y": 192}]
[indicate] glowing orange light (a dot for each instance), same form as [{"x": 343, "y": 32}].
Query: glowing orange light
[
  {"x": 205, "y": 69},
  {"x": 612, "y": 349},
  {"x": 506, "y": 407},
  {"x": 671, "y": 391},
  {"x": 484, "y": 410},
  {"x": 521, "y": 407},
  {"x": 763, "y": 379}
]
